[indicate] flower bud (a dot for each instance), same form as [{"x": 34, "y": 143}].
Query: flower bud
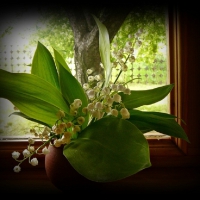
[
  {"x": 45, "y": 150},
  {"x": 107, "y": 109},
  {"x": 57, "y": 142},
  {"x": 86, "y": 86},
  {"x": 90, "y": 78},
  {"x": 62, "y": 125},
  {"x": 34, "y": 161},
  {"x": 69, "y": 124},
  {"x": 85, "y": 110},
  {"x": 125, "y": 113},
  {"x": 99, "y": 105},
  {"x": 76, "y": 128},
  {"x": 67, "y": 134},
  {"x": 117, "y": 98},
  {"x": 60, "y": 114},
  {"x": 31, "y": 148},
  {"x": 120, "y": 87},
  {"x": 114, "y": 112},
  {"x": 114, "y": 87},
  {"x": 77, "y": 103},
  {"x": 89, "y": 71},
  {"x": 17, "y": 169},
  {"x": 15, "y": 154},
  {"x": 91, "y": 94},
  {"x": 96, "y": 114},
  {"x": 81, "y": 120},
  {"x": 26, "y": 153},
  {"x": 31, "y": 141},
  {"x": 90, "y": 106},
  {"x": 127, "y": 91}
]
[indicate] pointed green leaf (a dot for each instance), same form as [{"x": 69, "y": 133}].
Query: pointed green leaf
[
  {"x": 139, "y": 98},
  {"x": 43, "y": 65},
  {"x": 108, "y": 150},
  {"x": 143, "y": 126},
  {"x": 104, "y": 49},
  {"x": 60, "y": 59},
  {"x": 36, "y": 109},
  {"x": 163, "y": 123},
  {"x": 32, "y": 95}
]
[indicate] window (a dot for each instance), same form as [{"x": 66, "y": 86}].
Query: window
[
  {"x": 17, "y": 46},
  {"x": 168, "y": 155},
  {"x": 178, "y": 60},
  {"x": 17, "y": 50}
]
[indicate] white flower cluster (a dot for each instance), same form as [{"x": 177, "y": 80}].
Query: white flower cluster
[
  {"x": 105, "y": 100},
  {"x": 123, "y": 55},
  {"x": 27, "y": 153}
]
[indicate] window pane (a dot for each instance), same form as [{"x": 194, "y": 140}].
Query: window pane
[
  {"x": 20, "y": 31},
  {"x": 15, "y": 30},
  {"x": 145, "y": 31}
]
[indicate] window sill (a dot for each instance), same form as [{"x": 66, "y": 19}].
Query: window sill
[
  {"x": 171, "y": 170},
  {"x": 163, "y": 152}
]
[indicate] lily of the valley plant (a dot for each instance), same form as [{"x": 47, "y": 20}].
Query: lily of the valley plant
[{"x": 99, "y": 127}]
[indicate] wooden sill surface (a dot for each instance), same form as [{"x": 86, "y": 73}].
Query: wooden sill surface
[
  {"x": 171, "y": 171},
  {"x": 152, "y": 180}
]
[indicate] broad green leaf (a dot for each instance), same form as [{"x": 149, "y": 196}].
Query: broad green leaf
[
  {"x": 32, "y": 95},
  {"x": 72, "y": 89},
  {"x": 39, "y": 110},
  {"x": 104, "y": 49},
  {"x": 160, "y": 114},
  {"x": 139, "y": 98},
  {"x": 143, "y": 126},
  {"x": 163, "y": 123},
  {"x": 43, "y": 65},
  {"x": 108, "y": 150},
  {"x": 60, "y": 59}
]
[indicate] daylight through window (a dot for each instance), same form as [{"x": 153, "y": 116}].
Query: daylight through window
[{"x": 145, "y": 31}]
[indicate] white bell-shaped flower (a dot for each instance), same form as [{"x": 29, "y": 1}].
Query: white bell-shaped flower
[
  {"x": 114, "y": 112},
  {"x": 90, "y": 106},
  {"x": 45, "y": 150},
  {"x": 127, "y": 91},
  {"x": 89, "y": 71},
  {"x": 15, "y": 154},
  {"x": 34, "y": 161},
  {"x": 99, "y": 105},
  {"x": 116, "y": 98},
  {"x": 31, "y": 140},
  {"x": 80, "y": 120},
  {"x": 125, "y": 113},
  {"x": 120, "y": 87},
  {"x": 77, "y": 103},
  {"x": 91, "y": 94},
  {"x": 26, "y": 153},
  {"x": 90, "y": 78},
  {"x": 17, "y": 169},
  {"x": 86, "y": 86},
  {"x": 114, "y": 87}
]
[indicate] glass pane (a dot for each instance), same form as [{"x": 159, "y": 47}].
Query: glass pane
[
  {"x": 145, "y": 31},
  {"x": 20, "y": 31},
  {"x": 15, "y": 30}
]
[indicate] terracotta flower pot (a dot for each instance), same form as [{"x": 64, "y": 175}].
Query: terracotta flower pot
[
  {"x": 63, "y": 175},
  {"x": 67, "y": 179}
]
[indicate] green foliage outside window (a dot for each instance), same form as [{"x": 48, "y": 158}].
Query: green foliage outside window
[{"x": 146, "y": 30}]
